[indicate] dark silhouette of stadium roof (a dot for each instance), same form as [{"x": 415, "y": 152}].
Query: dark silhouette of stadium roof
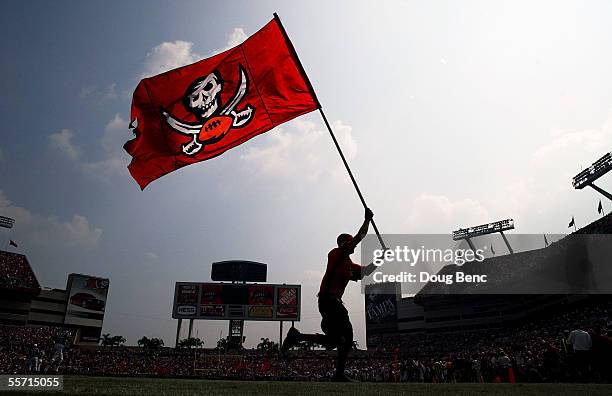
[
  {"x": 575, "y": 264},
  {"x": 602, "y": 225}
]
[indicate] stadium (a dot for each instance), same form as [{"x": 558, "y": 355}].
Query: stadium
[
  {"x": 146, "y": 142},
  {"x": 435, "y": 337}
]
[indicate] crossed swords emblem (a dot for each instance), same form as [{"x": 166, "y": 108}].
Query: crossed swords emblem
[{"x": 203, "y": 98}]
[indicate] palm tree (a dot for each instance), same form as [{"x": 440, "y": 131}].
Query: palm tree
[
  {"x": 150, "y": 343},
  {"x": 222, "y": 344},
  {"x": 144, "y": 342},
  {"x": 106, "y": 339},
  {"x": 267, "y": 345},
  {"x": 190, "y": 343},
  {"x": 156, "y": 343}
]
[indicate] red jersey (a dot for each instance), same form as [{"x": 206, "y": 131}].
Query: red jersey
[{"x": 340, "y": 270}]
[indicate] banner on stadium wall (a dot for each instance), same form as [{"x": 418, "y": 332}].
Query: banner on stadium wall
[
  {"x": 381, "y": 303},
  {"x": 86, "y": 303},
  {"x": 381, "y": 311},
  {"x": 223, "y": 301}
]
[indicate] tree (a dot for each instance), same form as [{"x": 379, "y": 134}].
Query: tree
[
  {"x": 306, "y": 346},
  {"x": 190, "y": 343},
  {"x": 266, "y": 345},
  {"x": 150, "y": 343},
  {"x": 143, "y": 342},
  {"x": 222, "y": 344},
  {"x": 156, "y": 343},
  {"x": 105, "y": 340},
  {"x": 108, "y": 340}
]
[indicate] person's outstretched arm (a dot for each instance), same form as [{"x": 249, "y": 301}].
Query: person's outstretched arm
[
  {"x": 363, "y": 230},
  {"x": 359, "y": 272}
]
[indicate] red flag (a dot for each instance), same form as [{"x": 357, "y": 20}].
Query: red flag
[{"x": 199, "y": 111}]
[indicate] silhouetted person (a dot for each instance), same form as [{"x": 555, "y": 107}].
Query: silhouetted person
[{"x": 335, "y": 321}]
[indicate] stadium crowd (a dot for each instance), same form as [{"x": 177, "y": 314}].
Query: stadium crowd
[
  {"x": 15, "y": 272},
  {"x": 32, "y": 349},
  {"x": 568, "y": 347}
]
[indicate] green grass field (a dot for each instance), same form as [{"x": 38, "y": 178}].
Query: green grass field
[{"x": 152, "y": 386}]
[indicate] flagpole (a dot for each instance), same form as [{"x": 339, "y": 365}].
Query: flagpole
[
  {"x": 348, "y": 169},
  {"x": 331, "y": 132}
]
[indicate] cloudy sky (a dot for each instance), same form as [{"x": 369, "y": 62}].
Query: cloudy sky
[{"x": 451, "y": 113}]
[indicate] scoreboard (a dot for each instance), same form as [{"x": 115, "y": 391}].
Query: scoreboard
[{"x": 224, "y": 301}]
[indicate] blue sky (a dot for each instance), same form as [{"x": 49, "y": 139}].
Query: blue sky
[{"x": 451, "y": 114}]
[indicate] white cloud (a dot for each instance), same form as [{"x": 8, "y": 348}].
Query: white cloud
[
  {"x": 87, "y": 92},
  {"x": 236, "y": 37},
  {"x": 438, "y": 214},
  {"x": 299, "y": 148},
  {"x": 173, "y": 54},
  {"x": 568, "y": 152},
  {"x": 62, "y": 142},
  {"x": 116, "y": 133},
  {"x": 546, "y": 192},
  {"x": 111, "y": 92},
  {"x": 541, "y": 200},
  {"x": 167, "y": 56},
  {"x": 34, "y": 229},
  {"x": 152, "y": 256},
  {"x": 92, "y": 92},
  {"x": 581, "y": 146},
  {"x": 344, "y": 134}
]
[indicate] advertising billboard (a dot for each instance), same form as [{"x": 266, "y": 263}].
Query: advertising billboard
[
  {"x": 86, "y": 303},
  {"x": 381, "y": 303},
  {"x": 287, "y": 298},
  {"x": 223, "y": 301},
  {"x": 380, "y": 311},
  {"x": 261, "y": 295}
]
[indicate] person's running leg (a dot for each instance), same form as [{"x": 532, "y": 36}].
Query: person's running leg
[
  {"x": 329, "y": 340},
  {"x": 345, "y": 341}
]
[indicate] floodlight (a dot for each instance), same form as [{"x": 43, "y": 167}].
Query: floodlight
[
  {"x": 484, "y": 229},
  {"x": 6, "y": 222},
  {"x": 593, "y": 172}
]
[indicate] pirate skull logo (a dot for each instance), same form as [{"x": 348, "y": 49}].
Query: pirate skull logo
[
  {"x": 202, "y": 96},
  {"x": 203, "y": 99}
]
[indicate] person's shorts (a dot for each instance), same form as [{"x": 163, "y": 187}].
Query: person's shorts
[{"x": 335, "y": 320}]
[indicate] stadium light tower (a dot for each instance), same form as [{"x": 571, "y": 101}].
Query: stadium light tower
[
  {"x": 484, "y": 229},
  {"x": 6, "y": 222},
  {"x": 588, "y": 176}
]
